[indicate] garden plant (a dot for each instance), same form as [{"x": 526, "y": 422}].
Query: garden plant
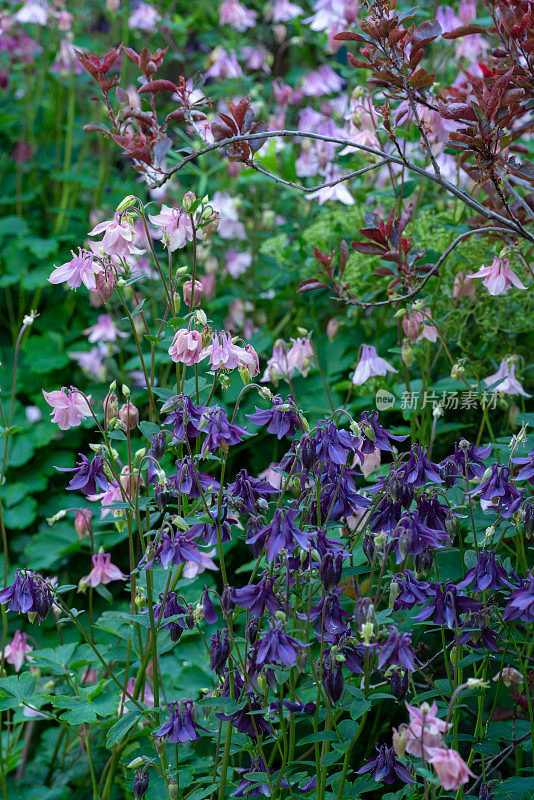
[{"x": 267, "y": 449}]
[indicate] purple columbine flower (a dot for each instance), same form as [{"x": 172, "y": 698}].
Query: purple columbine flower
[
  {"x": 333, "y": 444},
  {"x": 28, "y": 594},
  {"x": 386, "y": 516},
  {"x": 386, "y": 767},
  {"x": 220, "y": 432},
  {"x": 247, "y": 490},
  {"x": 498, "y": 493},
  {"x": 184, "y": 417},
  {"x": 412, "y": 591},
  {"x": 207, "y": 530},
  {"x": 465, "y": 462},
  {"x": 282, "y": 419},
  {"x": 156, "y": 453},
  {"x": 526, "y": 473},
  {"x": 248, "y": 786},
  {"x": 207, "y": 607},
  {"x": 520, "y": 603},
  {"x": 397, "y": 650},
  {"x": 447, "y": 605},
  {"x": 248, "y": 720},
  {"x": 332, "y": 679},
  {"x": 338, "y": 494},
  {"x": 175, "y": 549},
  {"x": 257, "y": 597},
  {"x": 374, "y": 435},
  {"x": 330, "y": 570},
  {"x": 172, "y": 615},
  {"x": 328, "y": 614},
  {"x": 190, "y": 482},
  {"x": 89, "y": 475},
  {"x": 418, "y": 470},
  {"x": 219, "y": 651},
  {"x": 487, "y": 574},
  {"x": 432, "y": 513},
  {"x": 412, "y": 536},
  {"x": 276, "y": 646},
  {"x": 281, "y": 534},
  {"x": 477, "y": 632},
  {"x": 181, "y": 726}
]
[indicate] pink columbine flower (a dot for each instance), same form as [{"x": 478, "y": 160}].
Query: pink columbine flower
[
  {"x": 257, "y": 58},
  {"x": 272, "y": 476},
  {"x": 229, "y": 225},
  {"x": 144, "y": 18},
  {"x": 498, "y": 277},
  {"x": 370, "y": 365},
  {"x": 187, "y": 289},
  {"x": 508, "y": 382},
  {"x": 103, "y": 571},
  {"x": 70, "y": 407},
  {"x": 237, "y": 263},
  {"x": 32, "y": 12},
  {"x": 147, "y": 697},
  {"x": 283, "y": 11},
  {"x": 416, "y": 326},
  {"x": 464, "y": 287},
  {"x": 80, "y": 269},
  {"x": 338, "y": 192},
  {"x": 234, "y": 13},
  {"x": 193, "y": 568},
  {"x": 450, "y": 767},
  {"x": 224, "y": 65},
  {"x": 109, "y": 498},
  {"x": 16, "y": 651},
  {"x": 92, "y": 361},
  {"x": 426, "y": 726},
  {"x": 371, "y": 462},
  {"x": 224, "y": 354},
  {"x": 104, "y": 330},
  {"x": 186, "y": 347},
  {"x": 300, "y": 356},
  {"x": 278, "y": 365},
  {"x": 327, "y": 13},
  {"x": 509, "y": 676},
  {"x": 119, "y": 235},
  {"x": 322, "y": 81},
  {"x": 175, "y": 225}
]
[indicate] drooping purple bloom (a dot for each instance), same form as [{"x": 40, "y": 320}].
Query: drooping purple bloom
[
  {"x": 333, "y": 444},
  {"x": 247, "y": 490},
  {"x": 498, "y": 493},
  {"x": 208, "y": 529},
  {"x": 332, "y": 679},
  {"x": 386, "y": 516},
  {"x": 156, "y": 453},
  {"x": 257, "y": 597},
  {"x": 412, "y": 536},
  {"x": 28, "y": 594},
  {"x": 412, "y": 591},
  {"x": 89, "y": 475},
  {"x": 281, "y": 419},
  {"x": 248, "y": 786},
  {"x": 174, "y": 550},
  {"x": 170, "y": 614},
  {"x": 181, "y": 727},
  {"x": 207, "y": 607},
  {"x": 330, "y": 570},
  {"x": 386, "y": 767},
  {"x": 220, "y": 432},
  {"x": 465, "y": 462},
  {"x": 397, "y": 650},
  {"x": 520, "y": 603},
  {"x": 277, "y": 647},
  {"x": 190, "y": 482},
  {"x": 526, "y": 473},
  {"x": 374, "y": 435},
  {"x": 477, "y": 632},
  {"x": 328, "y": 614},
  {"x": 432, "y": 513},
  {"x": 447, "y": 605},
  {"x": 418, "y": 470},
  {"x": 248, "y": 720},
  {"x": 338, "y": 494},
  {"x": 487, "y": 574},
  {"x": 219, "y": 651},
  {"x": 281, "y": 534},
  {"x": 184, "y": 417}
]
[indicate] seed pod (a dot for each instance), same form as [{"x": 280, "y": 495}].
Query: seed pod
[{"x": 140, "y": 784}]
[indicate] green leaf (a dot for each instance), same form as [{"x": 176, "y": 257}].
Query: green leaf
[
  {"x": 16, "y": 689},
  {"x": 22, "y": 515},
  {"x": 13, "y": 226},
  {"x": 148, "y": 429},
  {"x": 78, "y": 711},
  {"x": 359, "y": 707},
  {"x": 122, "y": 726}
]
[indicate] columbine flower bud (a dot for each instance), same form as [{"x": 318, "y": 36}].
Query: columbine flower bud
[
  {"x": 172, "y": 789},
  {"x": 407, "y": 355},
  {"x": 30, "y": 318},
  {"x": 400, "y": 740},
  {"x": 398, "y": 682},
  {"x": 280, "y": 616},
  {"x": 367, "y": 632},
  {"x": 188, "y": 200},
  {"x": 136, "y": 763},
  {"x": 111, "y": 408},
  {"x": 509, "y": 676},
  {"x": 82, "y": 522},
  {"x": 56, "y": 517},
  {"x": 457, "y": 371},
  {"x": 129, "y": 200},
  {"x": 300, "y": 663},
  {"x": 393, "y": 593},
  {"x": 262, "y": 682},
  {"x": 140, "y": 600},
  {"x": 251, "y": 630},
  {"x": 129, "y": 416},
  {"x": 188, "y": 293},
  {"x": 332, "y": 327}
]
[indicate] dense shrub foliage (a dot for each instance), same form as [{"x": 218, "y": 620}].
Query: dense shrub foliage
[{"x": 267, "y": 464}]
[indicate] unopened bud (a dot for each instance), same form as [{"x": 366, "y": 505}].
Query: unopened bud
[
  {"x": 188, "y": 200},
  {"x": 129, "y": 200},
  {"x": 457, "y": 371},
  {"x": 111, "y": 408},
  {"x": 82, "y": 522},
  {"x": 189, "y": 300},
  {"x": 407, "y": 355},
  {"x": 129, "y": 416},
  {"x": 280, "y": 616},
  {"x": 400, "y": 740},
  {"x": 262, "y": 682}
]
